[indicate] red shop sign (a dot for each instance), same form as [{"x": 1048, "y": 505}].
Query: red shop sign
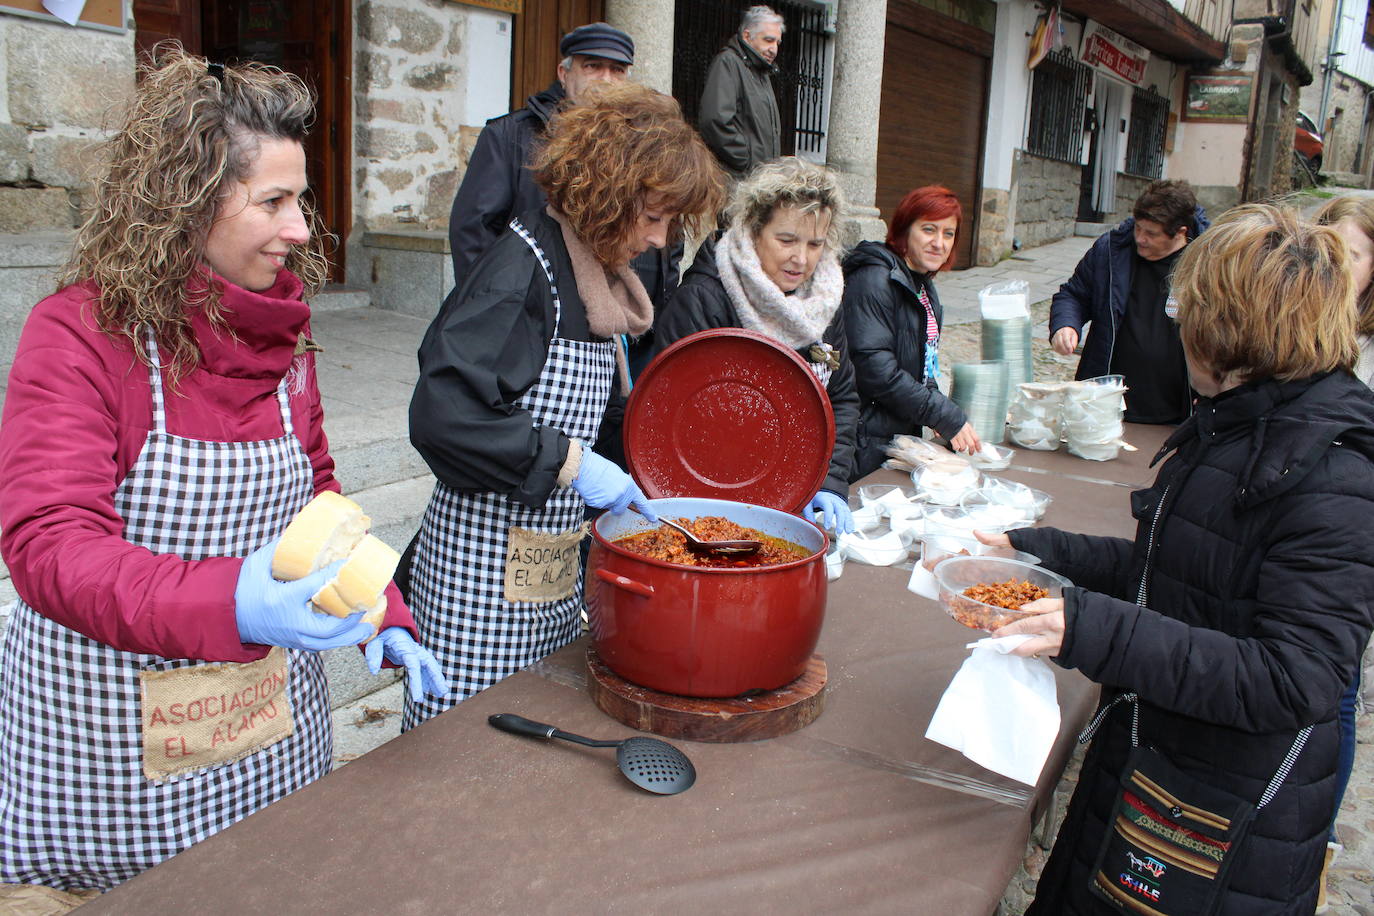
[{"x": 1114, "y": 53}]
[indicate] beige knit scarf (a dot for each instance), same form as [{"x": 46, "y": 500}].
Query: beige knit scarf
[
  {"x": 615, "y": 300},
  {"x": 798, "y": 319}
]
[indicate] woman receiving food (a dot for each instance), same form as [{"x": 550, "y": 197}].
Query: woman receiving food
[
  {"x": 514, "y": 376},
  {"x": 892, "y": 317},
  {"x": 162, "y": 425},
  {"x": 1226, "y": 632},
  {"x": 775, "y": 270},
  {"x": 1353, "y": 218}
]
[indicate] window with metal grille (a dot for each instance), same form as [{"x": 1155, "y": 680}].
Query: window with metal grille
[
  {"x": 1145, "y": 142},
  {"x": 702, "y": 27},
  {"x": 1059, "y": 98}
]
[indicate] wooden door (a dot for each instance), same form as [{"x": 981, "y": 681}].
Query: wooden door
[
  {"x": 534, "y": 44},
  {"x": 933, "y": 112},
  {"x": 311, "y": 40},
  {"x": 157, "y": 20}
]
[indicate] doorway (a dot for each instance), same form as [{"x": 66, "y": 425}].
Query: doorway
[
  {"x": 311, "y": 40},
  {"x": 1106, "y": 126}
]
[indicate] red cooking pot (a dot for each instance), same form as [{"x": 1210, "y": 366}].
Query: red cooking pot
[
  {"x": 702, "y": 631},
  {"x": 726, "y": 422}
]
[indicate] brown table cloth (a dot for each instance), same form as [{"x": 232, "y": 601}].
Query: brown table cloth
[{"x": 858, "y": 812}]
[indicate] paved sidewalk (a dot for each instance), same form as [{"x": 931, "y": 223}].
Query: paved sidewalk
[{"x": 1044, "y": 268}]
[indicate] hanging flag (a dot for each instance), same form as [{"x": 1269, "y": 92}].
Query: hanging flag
[{"x": 1044, "y": 37}]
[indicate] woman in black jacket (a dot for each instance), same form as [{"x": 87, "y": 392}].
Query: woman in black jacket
[
  {"x": 775, "y": 270},
  {"x": 515, "y": 372},
  {"x": 1238, "y": 613},
  {"x": 892, "y": 317}
]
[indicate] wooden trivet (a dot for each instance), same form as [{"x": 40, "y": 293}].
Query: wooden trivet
[{"x": 753, "y": 717}]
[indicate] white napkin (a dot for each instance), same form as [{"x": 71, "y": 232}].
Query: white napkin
[
  {"x": 883, "y": 550},
  {"x": 1000, "y": 711}
]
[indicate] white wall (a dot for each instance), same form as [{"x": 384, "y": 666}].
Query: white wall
[
  {"x": 488, "y": 60},
  {"x": 1008, "y": 92}
]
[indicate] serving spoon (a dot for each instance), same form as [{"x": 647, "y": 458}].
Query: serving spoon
[{"x": 697, "y": 545}]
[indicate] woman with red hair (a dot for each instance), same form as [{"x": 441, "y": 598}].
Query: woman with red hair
[{"x": 892, "y": 316}]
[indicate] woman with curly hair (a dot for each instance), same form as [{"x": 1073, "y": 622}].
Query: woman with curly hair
[
  {"x": 776, "y": 270},
  {"x": 515, "y": 372},
  {"x": 162, "y": 425},
  {"x": 892, "y": 316}
]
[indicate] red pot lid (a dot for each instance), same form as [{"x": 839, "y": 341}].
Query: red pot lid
[{"x": 730, "y": 414}]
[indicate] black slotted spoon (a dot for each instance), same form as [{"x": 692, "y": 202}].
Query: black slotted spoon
[{"x": 653, "y": 765}]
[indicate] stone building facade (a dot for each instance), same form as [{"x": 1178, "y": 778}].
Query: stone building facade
[
  {"x": 1345, "y": 132},
  {"x": 58, "y": 89}
]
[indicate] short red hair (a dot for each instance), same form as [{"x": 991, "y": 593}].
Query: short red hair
[{"x": 930, "y": 202}]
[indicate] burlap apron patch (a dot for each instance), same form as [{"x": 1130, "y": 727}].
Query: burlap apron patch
[
  {"x": 207, "y": 715},
  {"x": 541, "y": 566}
]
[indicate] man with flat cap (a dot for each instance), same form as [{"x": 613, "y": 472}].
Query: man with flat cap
[{"x": 498, "y": 186}]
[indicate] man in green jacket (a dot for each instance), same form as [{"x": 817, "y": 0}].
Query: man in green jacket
[{"x": 739, "y": 118}]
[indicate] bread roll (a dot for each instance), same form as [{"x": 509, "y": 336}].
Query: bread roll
[
  {"x": 324, "y": 532},
  {"x": 332, "y": 528},
  {"x": 361, "y": 582}
]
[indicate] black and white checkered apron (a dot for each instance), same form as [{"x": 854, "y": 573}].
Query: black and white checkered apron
[
  {"x": 458, "y": 580},
  {"x": 76, "y": 810}
]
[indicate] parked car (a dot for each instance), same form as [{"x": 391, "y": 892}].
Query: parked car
[{"x": 1308, "y": 142}]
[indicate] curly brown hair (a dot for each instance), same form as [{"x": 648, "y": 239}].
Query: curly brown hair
[
  {"x": 189, "y": 135},
  {"x": 626, "y": 141}
]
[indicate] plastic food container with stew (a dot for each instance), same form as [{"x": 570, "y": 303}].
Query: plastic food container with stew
[{"x": 956, "y": 574}]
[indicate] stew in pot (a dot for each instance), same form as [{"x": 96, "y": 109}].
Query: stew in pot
[{"x": 663, "y": 543}]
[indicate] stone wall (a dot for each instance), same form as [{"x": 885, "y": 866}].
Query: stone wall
[
  {"x": 59, "y": 88},
  {"x": 1128, "y": 188},
  {"x": 409, "y": 142},
  {"x": 1345, "y": 111},
  {"x": 1046, "y": 198}
]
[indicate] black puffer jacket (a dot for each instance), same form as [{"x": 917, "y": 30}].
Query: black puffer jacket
[
  {"x": 701, "y": 303},
  {"x": 886, "y": 326},
  {"x": 1258, "y": 595}
]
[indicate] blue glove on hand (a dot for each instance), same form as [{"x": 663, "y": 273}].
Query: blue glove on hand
[
  {"x": 834, "y": 511},
  {"x": 605, "y": 486},
  {"x": 423, "y": 674},
  {"x": 274, "y": 613}
]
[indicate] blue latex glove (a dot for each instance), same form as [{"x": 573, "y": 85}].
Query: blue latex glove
[
  {"x": 423, "y": 674},
  {"x": 834, "y": 511},
  {"x": 274, "y": 613},
  {"x": 605, "y": 486}
]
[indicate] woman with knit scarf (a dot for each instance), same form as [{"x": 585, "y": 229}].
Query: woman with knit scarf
[
  {"x": 776, "y": 270},
  {"x": 515, "y": 372}
]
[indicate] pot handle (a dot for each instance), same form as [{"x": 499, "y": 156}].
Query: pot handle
[{"x": 630, "y": 585}]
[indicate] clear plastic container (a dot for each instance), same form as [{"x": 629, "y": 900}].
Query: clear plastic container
[
  {"x": 960, "y": 522},
  {"x": 956, "y": 574},
  {"x": 887, "y": 499},
  {"x": 997, "y": 457},
  {"x": 1000, "y": 498},
  {"x": 943, "y": 482}
]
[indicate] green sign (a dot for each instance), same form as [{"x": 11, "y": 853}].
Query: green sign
[{"x": 1220, "y": 97}]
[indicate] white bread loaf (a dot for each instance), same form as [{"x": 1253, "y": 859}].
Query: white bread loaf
[
  {"x": 361, "y": 582},
  {"x": 332, "y": 528},
  {"x": 324, "y": 532}
]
